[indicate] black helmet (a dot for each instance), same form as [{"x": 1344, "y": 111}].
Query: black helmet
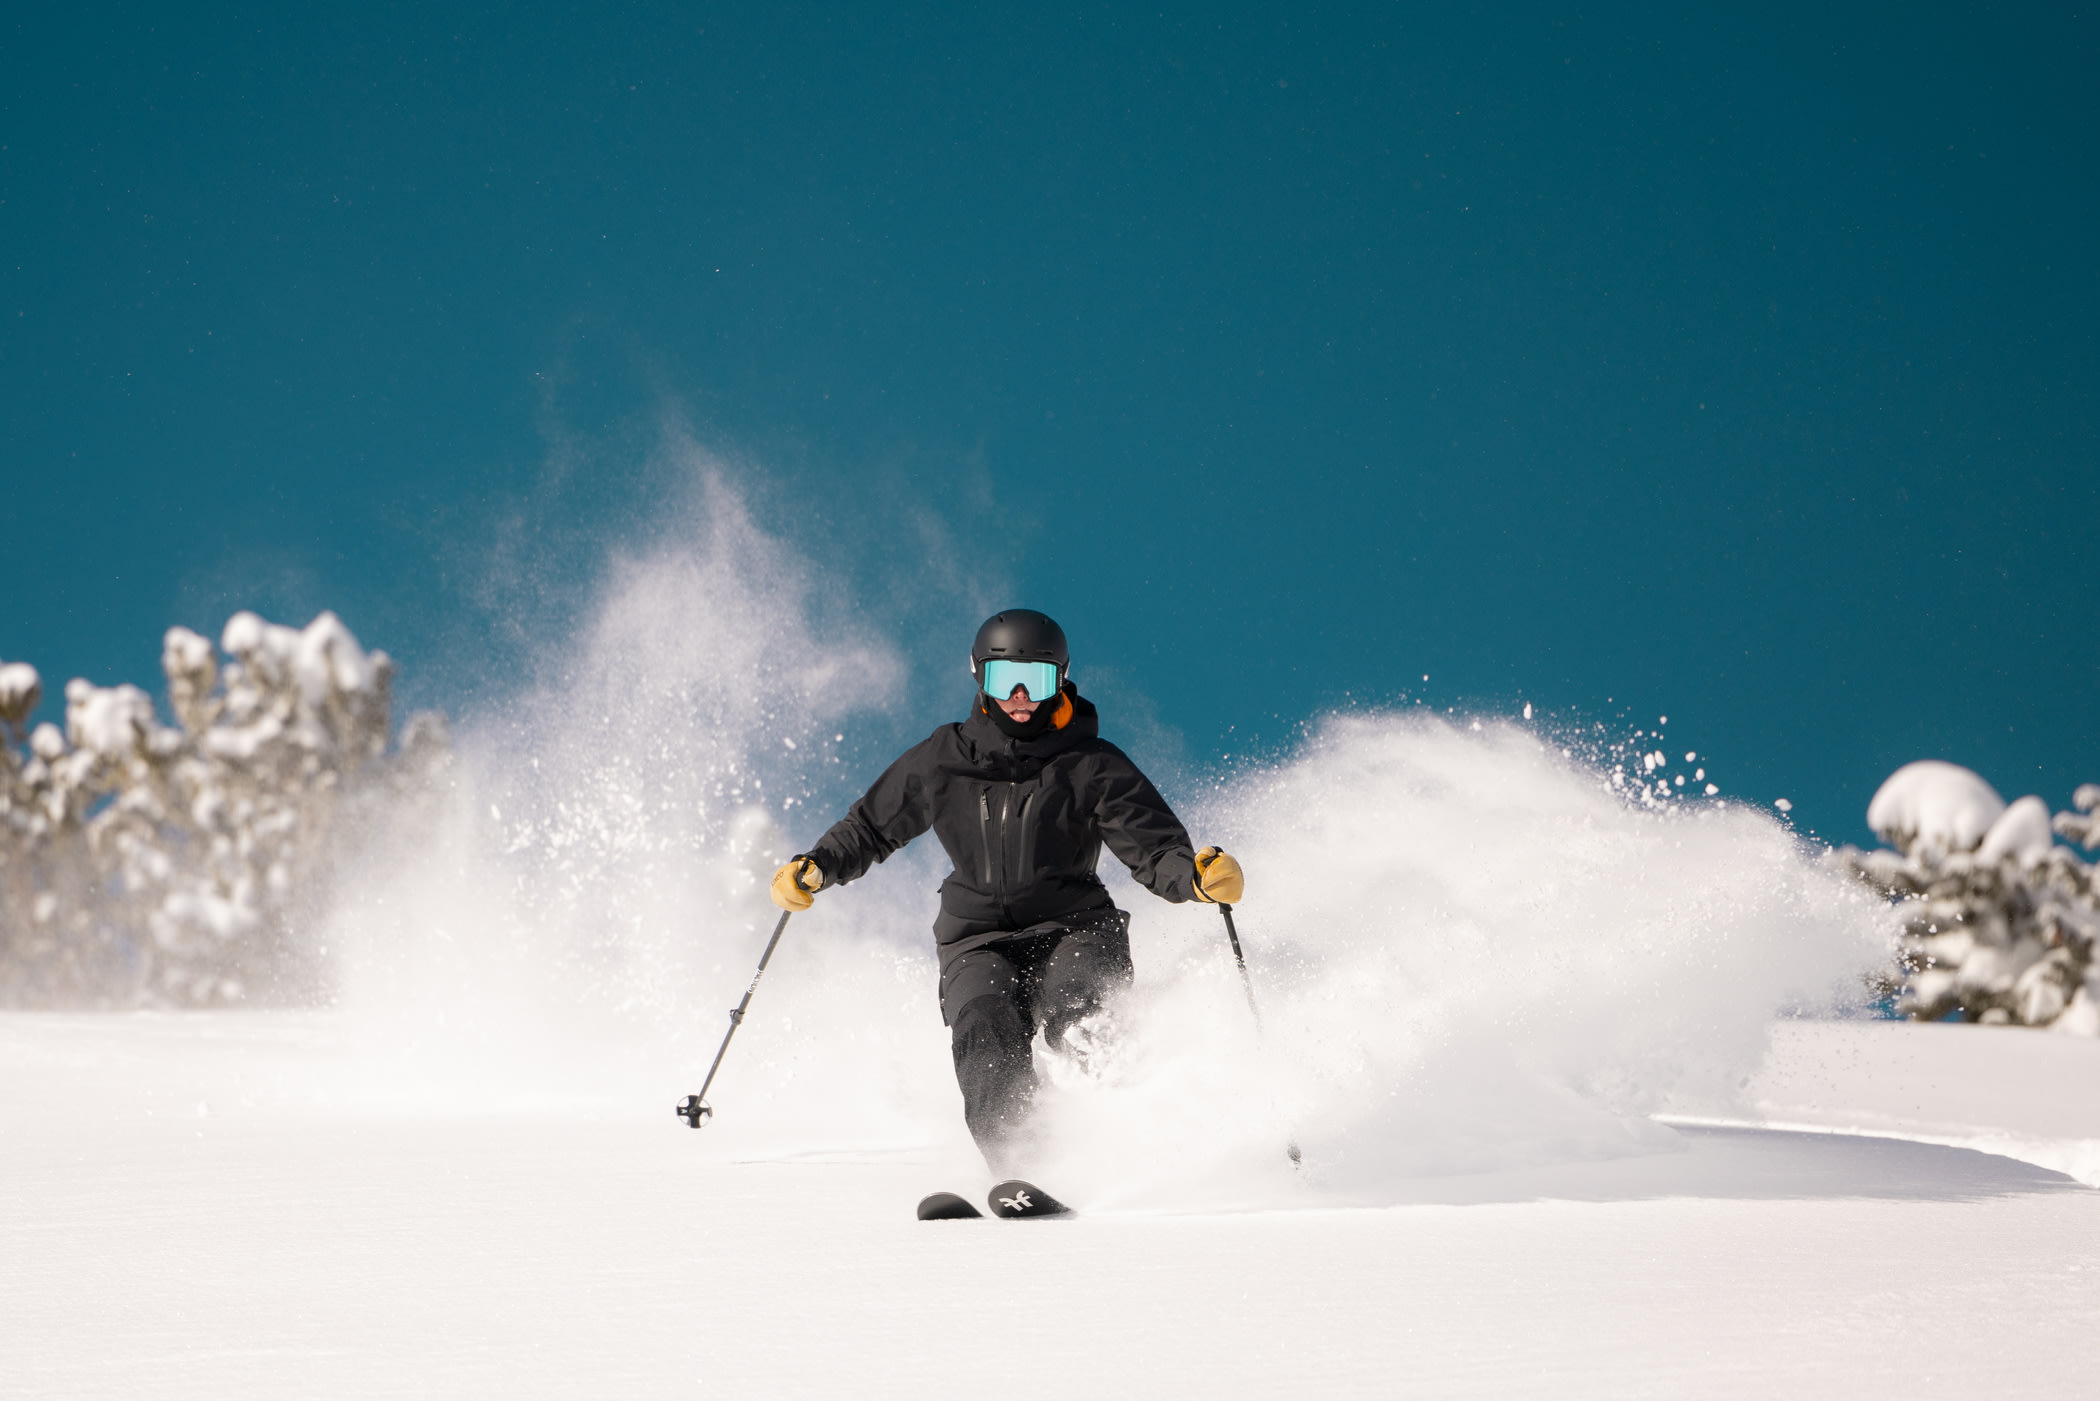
[{"x": 1019, "y": 635}]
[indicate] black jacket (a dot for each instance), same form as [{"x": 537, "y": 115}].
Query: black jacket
[{"x": 1023, "y": 820}]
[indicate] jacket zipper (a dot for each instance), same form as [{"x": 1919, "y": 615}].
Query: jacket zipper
[
  {"x": 984, "y": 816},
  {"x": 1022, "y": 848},
  {"x": 1006, "y": 808}
]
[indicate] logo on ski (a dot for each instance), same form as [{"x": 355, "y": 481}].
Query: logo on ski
[{"x": 1023, "y": 1201}]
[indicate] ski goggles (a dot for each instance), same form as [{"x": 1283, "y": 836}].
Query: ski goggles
[{"x": 1040, "y": 678}]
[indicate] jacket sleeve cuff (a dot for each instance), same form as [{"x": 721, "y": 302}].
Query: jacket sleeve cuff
[{"x": 1174, "y": 878}]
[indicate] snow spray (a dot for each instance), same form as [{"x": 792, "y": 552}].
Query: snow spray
[
  {"x": 1476, "y": 955},
  {"x": 567, "y": 927},
  {"x": 1476, "y": 952}
]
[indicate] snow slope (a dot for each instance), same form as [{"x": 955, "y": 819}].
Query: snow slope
[
  {"x": 1997, "y": 1089},
  {"x": 225, "y": 1204}
]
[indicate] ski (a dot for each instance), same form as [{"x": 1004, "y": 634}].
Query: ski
[
  {"x": 1018, "y": 1201},
  {"x": 946, "y": 1206}
]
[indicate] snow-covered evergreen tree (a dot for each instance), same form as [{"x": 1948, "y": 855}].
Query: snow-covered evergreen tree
[
  {"x": 2000, "y": 920},
  {"x": 173, "y": 865}
]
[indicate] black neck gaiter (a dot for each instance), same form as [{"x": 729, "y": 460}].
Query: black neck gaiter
[{"x": 1035, "y": 725}]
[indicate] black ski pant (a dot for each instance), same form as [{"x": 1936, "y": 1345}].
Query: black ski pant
[{"x": 996, "y": 995}]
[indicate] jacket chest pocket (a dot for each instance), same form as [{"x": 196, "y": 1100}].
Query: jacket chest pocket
[{"x": 1006, "y": 817}]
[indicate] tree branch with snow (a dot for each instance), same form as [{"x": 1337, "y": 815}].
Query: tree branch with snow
[
  {"x": 149, "y": 864},
  {"x": 1999, "y": 920}
]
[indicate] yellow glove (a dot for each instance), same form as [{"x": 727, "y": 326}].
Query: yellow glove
[
  {"x": 1219, "y": 879},
  {"x": 795, "y": 885}
]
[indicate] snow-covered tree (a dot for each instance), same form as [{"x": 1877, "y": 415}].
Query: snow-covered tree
[
  {"x": 2000, "y": 920},
  {"x": 174, "y": 865}
]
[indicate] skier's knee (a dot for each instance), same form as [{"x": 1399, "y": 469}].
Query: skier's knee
[
  {"x": 1074, "y": 1005},
  {"x": 989, "y": 1025},
  {"x": 1080, "y": 992}
]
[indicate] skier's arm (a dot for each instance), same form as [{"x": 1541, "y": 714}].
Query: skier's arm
[
  {"x": 1138, "y": 826},
  {"x": 893, "y": 811}
]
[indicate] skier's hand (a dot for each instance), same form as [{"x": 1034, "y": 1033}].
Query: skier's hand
[
  {"x": 795, "y": 885},
  {"x": 1219, "y": 879}
]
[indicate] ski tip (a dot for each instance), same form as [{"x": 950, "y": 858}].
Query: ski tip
[
  {"x": 1022, "y": 1201},
  {"x": 946, "y": 1206}
]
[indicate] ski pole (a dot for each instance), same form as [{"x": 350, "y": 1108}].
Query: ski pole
[
  {"x": 1247, "y": 980},
  {"x": 1232, "y": 932},
  {"x": 694, "y": 1108}
]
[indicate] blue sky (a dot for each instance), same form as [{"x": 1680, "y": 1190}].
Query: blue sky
[{"x": 1737, "y": 365}]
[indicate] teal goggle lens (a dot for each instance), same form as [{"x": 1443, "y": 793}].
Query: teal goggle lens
[{"x": 1000, "y": 678}]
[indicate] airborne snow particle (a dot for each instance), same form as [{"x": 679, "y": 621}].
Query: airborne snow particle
[
  {"x": 1527, "y": 710},
  {"x": 1783, "y": 805}
]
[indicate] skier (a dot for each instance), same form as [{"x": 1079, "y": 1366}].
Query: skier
[{"x": 1023, "y": 795}]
